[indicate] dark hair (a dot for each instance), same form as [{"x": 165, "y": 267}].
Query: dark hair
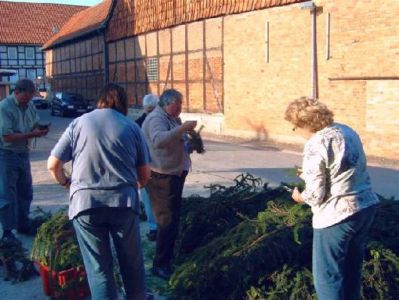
[
  {"x": 169, "y": 96},
  {"x": 113, "y": 96},
  {"x": 25, "y": 85}
]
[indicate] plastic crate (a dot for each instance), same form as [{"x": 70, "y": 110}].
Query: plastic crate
[{"x": 69, "y": 284}]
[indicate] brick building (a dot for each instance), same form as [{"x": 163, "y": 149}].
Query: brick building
[
  {"x": 239, "y": 63},
  {"x": 24, "y": 27},
  {"x": 75, "y": 56}
]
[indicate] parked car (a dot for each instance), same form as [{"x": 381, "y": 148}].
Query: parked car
[
  {"x": 40, "y": 103},
  {"x": 69, "y": 104}
]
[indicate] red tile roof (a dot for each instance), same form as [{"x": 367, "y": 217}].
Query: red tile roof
[
  {"x": 32, "y": 23},
  {"x": 133, "y": 17},
  {"x": 81, "y": 23}
]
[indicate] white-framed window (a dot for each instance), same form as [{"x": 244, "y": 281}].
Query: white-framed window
[
  {"x": 12, "y": 53},
  {"x": 14, "y": 78},
  {"x": 152, "y": 69},
  {"x": 31, "y": 74},
  {"x": 30, "y": 53}
]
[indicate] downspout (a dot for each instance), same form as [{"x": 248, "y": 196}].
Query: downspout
[
  {"x": 103, "y": 31},
  {"x": 315, "y": 92},
  {"x": 314, "y": 76},
  {"x": 105, "y": 58}
]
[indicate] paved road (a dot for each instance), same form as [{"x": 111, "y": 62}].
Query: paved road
[{"x": 221, "y": 163}]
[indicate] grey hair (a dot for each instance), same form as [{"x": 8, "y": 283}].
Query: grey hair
[
  {"x": 169, "y": 96},
  {"x": 150, "y": 100},
  {"x": 25, "y": 85}
]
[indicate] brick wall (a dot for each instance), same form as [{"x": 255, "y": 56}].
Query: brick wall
[
  {"x": 256, "y": 72},
  {"x": 77, "y": 67},
  {"x": 188, "y": 58},
  {"x": 359, "y": 81}
]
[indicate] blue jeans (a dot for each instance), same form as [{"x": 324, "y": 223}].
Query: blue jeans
[
  {"x": 145, "y": 198},
  {"x": 16, "y": 191},
  {"x": 338, "y": 253},
  {"x": 94, "y": 227}
]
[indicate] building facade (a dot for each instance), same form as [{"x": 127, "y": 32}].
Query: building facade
[
  {"x": 76, "y": 56},
  {"x": 24, "y": 27},
  {"x": 239, "y": 63}
]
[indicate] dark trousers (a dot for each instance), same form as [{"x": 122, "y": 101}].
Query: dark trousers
[
  {"x": 166, "y": 197},
  {"x": 16, "y": 191}
]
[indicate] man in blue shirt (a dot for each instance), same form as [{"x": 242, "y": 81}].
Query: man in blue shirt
[
  {"x": 18, "y": 120},
  {"x": 109, "y": 163}
]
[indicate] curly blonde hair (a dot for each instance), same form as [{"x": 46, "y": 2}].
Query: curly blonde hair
[{"x": 310, "y": 113}]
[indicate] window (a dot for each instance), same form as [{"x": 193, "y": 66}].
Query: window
[
  {"x": 22, "y": 73},
  {"x": 30, "y": 53},
  {"x": 12, "y": 53},
  {"x": 14, "y": 78},
  {"x": 152, "y": 69},
  {"x": 31, "y": 74}
]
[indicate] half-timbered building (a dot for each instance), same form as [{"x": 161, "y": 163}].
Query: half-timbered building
[
  {"x": 24, "y": 28},
  {"x": 239, "y": 63}
]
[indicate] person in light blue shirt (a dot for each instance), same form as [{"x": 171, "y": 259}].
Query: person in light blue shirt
[
  {"x": 109, "y": 164},
  {"x": 18, "y": 120}
]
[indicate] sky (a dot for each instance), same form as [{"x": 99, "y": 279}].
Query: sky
[{"x": 71, "y": 2}]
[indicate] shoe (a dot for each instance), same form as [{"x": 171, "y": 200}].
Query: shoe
[
  {"x": 162, "y": 272},
  {"x": 152, "y": 235}
]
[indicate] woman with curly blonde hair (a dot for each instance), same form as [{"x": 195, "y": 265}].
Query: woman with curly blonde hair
[{"x": 338, "y": 189}]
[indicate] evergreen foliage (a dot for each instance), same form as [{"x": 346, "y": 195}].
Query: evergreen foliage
[
  {"x": 55, "y": 244},
  {"x": 251, "y": 242}
]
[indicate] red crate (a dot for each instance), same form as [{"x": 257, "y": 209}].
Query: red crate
[{"x": 69, "y": 284}]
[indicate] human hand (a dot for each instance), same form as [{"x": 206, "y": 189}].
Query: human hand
[
  {"x": 296, "y": 196},
  {"x": 39, "y": 132},
  {"x": 188, "y": 126}
]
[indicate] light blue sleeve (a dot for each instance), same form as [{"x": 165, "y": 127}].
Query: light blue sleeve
[
  {"x": 63, "y": 149},
  {"x": 5, "y": 121}
]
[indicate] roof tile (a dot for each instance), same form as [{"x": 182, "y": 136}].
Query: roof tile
[
  {"x": 32, "y": 23},
  {"x": 81, "y": 23}
]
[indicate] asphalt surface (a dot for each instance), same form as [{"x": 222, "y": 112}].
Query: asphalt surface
[{"x": 220, "y": 164}]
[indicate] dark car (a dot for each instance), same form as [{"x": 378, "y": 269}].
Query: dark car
[
  {"x": 40, "y": 103},
  {"x": 69, "y": 104}
]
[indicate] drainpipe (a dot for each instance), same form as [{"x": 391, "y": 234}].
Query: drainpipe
[
  {"x": 105, "y": 59},
  {"x": 314, "y": 76}
]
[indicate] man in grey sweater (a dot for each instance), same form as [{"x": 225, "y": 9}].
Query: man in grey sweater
[{"x": 164, "y": 135}]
